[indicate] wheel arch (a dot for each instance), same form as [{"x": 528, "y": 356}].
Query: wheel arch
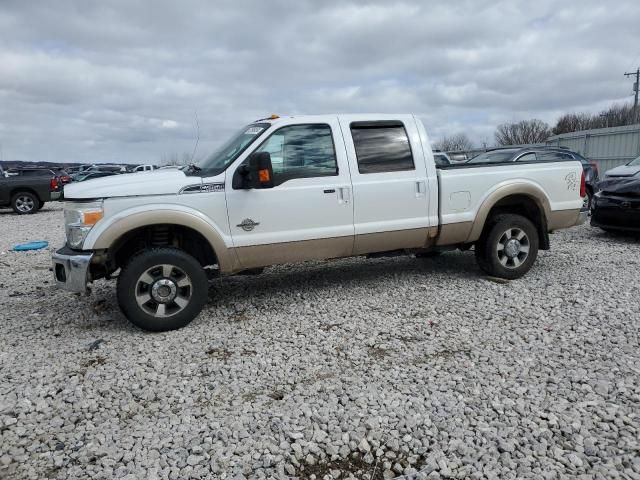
[
  {"x": 15, "y": 191},
  {"x": 526, "y": 199},
  {"x": 127, "y": 225}
]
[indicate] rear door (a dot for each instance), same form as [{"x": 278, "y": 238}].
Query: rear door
[{"x": 389, "y": 179}]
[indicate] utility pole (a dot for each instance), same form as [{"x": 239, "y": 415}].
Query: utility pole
[
  {"x": 635, "y": 89},
  {"x": 606, "y": 115}
]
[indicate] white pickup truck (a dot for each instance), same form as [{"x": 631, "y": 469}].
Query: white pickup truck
[{"x": 300, "y": 188}]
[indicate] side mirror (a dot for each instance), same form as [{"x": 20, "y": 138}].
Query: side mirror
[{"x": 260, "y": 170}]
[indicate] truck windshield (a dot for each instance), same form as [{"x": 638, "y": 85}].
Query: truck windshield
[{"x": 218, "y": 161}]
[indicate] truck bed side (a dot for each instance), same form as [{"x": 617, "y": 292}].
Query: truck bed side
[{"x": 467, "y": 195}]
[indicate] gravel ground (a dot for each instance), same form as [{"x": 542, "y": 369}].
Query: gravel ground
[{"x": 353, "y": 368}]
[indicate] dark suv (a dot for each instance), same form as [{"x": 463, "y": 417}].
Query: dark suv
[{"x": 543, "y": 154}]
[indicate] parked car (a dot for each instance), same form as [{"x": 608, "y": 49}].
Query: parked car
[
  {"x": 28, "y": 193},
  {"x": 343, "y": 185},
  {"x": 64, "y": 177},
  {"x": 617, "y": 205},
  {"x": 107, "y": 168},
  {"x": 441, "y": 158},
  {"x": 631, "y": 169},
  {"x": 544, "y": 154},
  {"x": 90, "y": 175}
]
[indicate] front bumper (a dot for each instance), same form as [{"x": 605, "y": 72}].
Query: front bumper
[{"x": 71, "y": 269}]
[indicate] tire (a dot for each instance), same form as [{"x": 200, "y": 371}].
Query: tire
[
  {"x": 500, "y": 252},
  {"x": 162, "y": 289},
  {"x": 41, "y": 205},
  {"x": 25, "y": 203}
]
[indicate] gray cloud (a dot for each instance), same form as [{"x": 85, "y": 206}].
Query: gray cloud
[{"x": 120, "y": 80}]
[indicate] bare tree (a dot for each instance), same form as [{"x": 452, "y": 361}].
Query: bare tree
[
  {"x": 524, "y": 132},
  {"x": 615, "y": 116},
  {"x": 454, "y": 143}
]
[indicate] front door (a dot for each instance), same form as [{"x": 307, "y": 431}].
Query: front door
[{"x": 308, "y": 214}]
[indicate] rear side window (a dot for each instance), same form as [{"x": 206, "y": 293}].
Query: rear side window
[{"x": 381, "y": 147}]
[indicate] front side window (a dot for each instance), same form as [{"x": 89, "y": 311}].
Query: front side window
[
  {"x": 381, "y": 147},
  {"x": 301, "y": 151}
]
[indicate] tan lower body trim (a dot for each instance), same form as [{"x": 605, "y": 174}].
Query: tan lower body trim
[
  {"x": 395, "y": 240},
  {"x": 453, "y": 233},
  {"x": 292, "y": 252},
  {"x": 562, "y": 219}
]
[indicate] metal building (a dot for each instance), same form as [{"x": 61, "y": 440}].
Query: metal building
[{"x": 609, "y": 147}]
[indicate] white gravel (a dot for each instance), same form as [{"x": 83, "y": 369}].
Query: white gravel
[{"x": 352, "y": 368}]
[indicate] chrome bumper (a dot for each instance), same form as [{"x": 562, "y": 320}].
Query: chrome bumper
[
  {"x": 71, "y": 270},
  {"x": 582, "y": 217}
]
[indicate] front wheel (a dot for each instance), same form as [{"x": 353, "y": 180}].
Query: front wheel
[
  {"x": 162, "y": 289},
  {"x": 509, "y": 247}
]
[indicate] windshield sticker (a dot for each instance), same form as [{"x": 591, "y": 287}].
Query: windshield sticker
[{"x": 253, "y": 130}]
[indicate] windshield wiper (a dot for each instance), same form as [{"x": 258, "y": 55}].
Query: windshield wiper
[{"x": 195, "y": 168}]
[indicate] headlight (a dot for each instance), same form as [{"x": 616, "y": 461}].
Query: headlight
[{"x": 79, "y": 219}]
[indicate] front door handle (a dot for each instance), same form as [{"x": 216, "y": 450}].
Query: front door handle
[{"x": 421, "y": 188}]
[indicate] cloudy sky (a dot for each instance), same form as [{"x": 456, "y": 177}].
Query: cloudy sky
[{"x": 119, "y": 80}]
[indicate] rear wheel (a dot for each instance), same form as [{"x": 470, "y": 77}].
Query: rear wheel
[
  {"x": 508, "y": 248},
  {"x": 40, "y": 205},
  {"x": 24, "y": 203},
  {"x": 162, "y": 289}
]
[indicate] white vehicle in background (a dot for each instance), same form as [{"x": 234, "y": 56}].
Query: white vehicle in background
[
  {"x": 145, "y": 168},
  {"x": 300, "y": 188}
]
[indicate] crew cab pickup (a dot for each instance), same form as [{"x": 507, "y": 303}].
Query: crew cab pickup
[
  {"x": 28, "y": 193},
  {"x": 299, "y": 188}
]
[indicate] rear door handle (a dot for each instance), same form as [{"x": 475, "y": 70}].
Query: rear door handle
[{"x": 343, "y": 195}]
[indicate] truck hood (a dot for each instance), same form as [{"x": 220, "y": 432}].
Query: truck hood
[
  {"x": 159, "y": 182},
  {"x": 623, "y": 171}
]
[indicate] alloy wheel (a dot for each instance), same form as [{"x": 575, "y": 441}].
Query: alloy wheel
[
  {"x": 163, "y": 290},
  {"x": 25, "y": 203},
  {"x": 513, "y": 248}
]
